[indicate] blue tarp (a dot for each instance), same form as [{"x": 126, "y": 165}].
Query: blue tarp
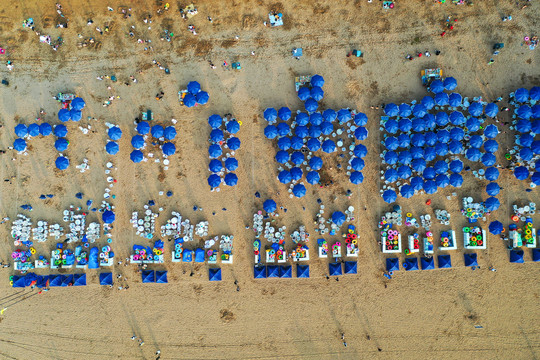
[
  {"x": 18, "y": 281},
  {"x": 450, "y": 83},
  {"x": 351, "y": 267},
  {"x": 157, "y": 131},
  {"x": 272, "y": 271},
  {"x": 335, "y": 269},
  {"x": 105, "y": 278},
  {"x": 259, "y": 272},
  {"x": 61, "y": 144},
  {"x": 64, "y": 115},
  {"x": 136, "y": 156},
  {"x": 389, "y": 196},
  {"x": 202, "y": 97},
  {"x": 521, "y": 173},
  {"x": 108, "y": 217},
  {"x": 231, "y": 179},
  {"x": 313, "y": 177},
  {"x": 329, "y": 115},
  {"x": 317, "y": 80},
  {"x": 19, "y": 144},
  {"x": 148, "y": 276},
  {"x": 302, "y": 271},
  {"x": 143, "y": 128},
  {"x": 67, "y": 280},
  {"x": 62, "y": 163},
  {"x": 161, "y": 277},
  {"x": 285, "y": 271},
  {"x": 190, "y": 100},
  {"x": 214, "y": 274},
  {"x": 199, "y": 255},
  {"x": 522, "y": 95},
  {"x": 269, "y": 206},
  {"x": 214, "y": 151},
  {"x": 233, "y": 127},
  {"x": 304, "y": 93},
  {"x": 214, "y": 180},
  {"x": 168, "y": 149},
  {"x": 495, "y": 227},
  {"x": 356, "y": 177},
  {"x": 137, "y": 142},
  {"x": 492, "y": 204},
  {"x": 299, "y": 190},
  {"x": 311, "y": 105},
  {"x": 93, "y": 258},
  {"x": 470, "y": 259},
  {"x": 392, "y": 264},
  {"x": 410, "y": 264},
  {"x": 214, "y": 121},
  {"x": 193, "y": 87},
  {"x": 427, "y": 263},
  {"x": 231, "y": 164},
  {"x": 42, "y": 281},
  {"x": 436, "y": 86},
  {"x": 284, "y": 113},
  {"x": 315, "y": 163},
  {"x": 79, "y": 279}
]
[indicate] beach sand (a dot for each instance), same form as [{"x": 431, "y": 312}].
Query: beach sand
[{"x": 416, "y": 315}]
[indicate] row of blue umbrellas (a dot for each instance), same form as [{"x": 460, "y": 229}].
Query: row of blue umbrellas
[
  {"x": 230, "y": 179},
  {"x": 74, "y": 112},
  {"x": 44, "y": 129},
  {"x": 143, "y": 128},
  {"x": 215, "y": 166},
  {"x": 430, "y": 121},
  {"x": 195, "y": 95},
  {"x": 523, "y": 95},
  {"x": 137, "y": 155}
]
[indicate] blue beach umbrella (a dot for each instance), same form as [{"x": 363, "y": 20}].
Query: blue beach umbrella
[
  {"x": 108, "y": 217},
  {"x": 328, "y": 146},
  {"x": 77, "y": 103},
  {"x": 443, "y": 136},
  {"x": 270, "y": 114},
  {"x": 476, "y": 141},
  {"x": 19, "y": 145},
  {"x": 301, "y": 131},
  {"x": 418, "y": 140},
  {"x": 473, "y": 124},
  {"x": 233, "y": 127},
  {"x": 296, "y": 173},
  {"x": 329, "y": 115},
  {"x": 33, "y": 130},
  {"x": 436, "y": 86},
  {"x": 304, "y": 93},
  {"x": 417, "y": 183},
  {"x": 231, "y": 179},
  {"x": 491, "y": 146},
  {"x": 136, "y": 156},
  {"x": 137, "y": 141},
  {"x": 431, "y": 153},
  {"x": 534, "y": 93},
  {"x": 405, "y": 157},
  {"x": 491, "y": 131},
  {"x": 299, "y": 190},
  {"x": 524, "y": 112},
  {"x": 492, "y": 204},
  {"x": 297, "y": 158},
  {"x": 441, "y": 118},
  {"x": 215, "y": 166},
  {"x": 419, "y": 165},
  {"x": 406, "y": 191},
  {"x": 297, "y": 143},
  {"x": 357, "y": 164},
  {"x": 317, "y": 80},
  {"x": 75, "y": 115},
  {"x": 404, "y": 172},
  {"x": 535, "y": 126},
  {"x": 231, "y": 164},
  {"x": 526, "y": 140},
  {"x": 284, "y": 143},
  {"x": 457, "y": 134},
  {"x": 457, "y": 118},
  {"x": 360, "y": 119},
  {"x": 214, "y": 181},
  {"x": 526, "y": 154},
  {"x": 143, "y": 127},
  {"x": 521, "y": 173},
  {"x": 313, "y": 144},
  {"x": 391, "y": 126},
  {"x": 441, "y": 99},
  {"x": 269, "y": 206},
  {"x": 450, "y": 83},
  {"x": 214, "y": 151},
  {"x": 455, "y": 147},
  {"x": 169, "y": 133},
  {"x": 522, "y": 95},
  {"x": 313, "y": 177},
  {"x": 456, "y": 166},
  {"x": 535, "y": 178},
  {"x": 391, "y": 175},
  {"x": 454, "y": 99},
  {"x": 442, "y": 180},
  {"x": 440, "y": 167},
  {"x": 430, "y": 187},
  {"x": 283, "y": 129},
  {"x": 115, "y": 133},
  {"x": 214, "y": 121},
  {"x": 475, "y": 109},
  {"x": 429, "y": 173},
  {"x": 62, "y": 163},
  {"x": 338, "y": 218},
  {"x": 202, "y": 97},
  {"x": 418, "y": 125},
  {"x": 473, "y": 154},
  {"x": 488, "y": 159},
  {"x": 491, "y": 110},
  {"x": 61, "y": 144},
  {"x": 315, "y": 163},
  {"x": 193, "y": 87},
  {"x": 327, "y": 128},
  {"x": 391, "y": 143},
  {"x": 492, "y": 174},
  {"x": 168, "y": 149},
  {"x": 282, "y": 157},
  {"x": 311, "y": 105},
  {"x": 360, "y": 151},
  {"x": 302, "y": 119},
  {"x": 361, "y": 133},
  {"x": 456, "y": 180},
  {"x": 157, "y": 131},
  {"x": 45, "y": 129},
  {"x": 284, "y": 113},
  {"x": 493, "y": 189},
  {"x": 60, "y": 130},
  {"x": 64, "y": 115},
  {"x": 431, "y": 138},
  {"x": 404, "y": 141},
  {"x": 391, "y": 157},
  {"x": 344, "y": 115},
  {"x": 428, "y": 102},
  {"x": 389, "y": 196},
  {"x": 429, "y": 121},
  {"x": 496, "y": 227},
  {"x": 316, "y": 93},
  {"x": 391, "y": 110},
  {"x": 417, "y": 152},
  {"x": 405, "y": 110},
  {"x": 270, "y": 132},
  {"x": 419, "y": 110},
  {"x": 404, "y": 125},
  {"x": 314, "y": 131}
]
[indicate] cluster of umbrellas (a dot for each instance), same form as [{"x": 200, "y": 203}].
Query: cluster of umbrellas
[
  {"x": 217, "y": 138},
  {"x": 115, "y": 134},
  {"x": 434, "y": 127},
  {"x": 527, "y": 124},
  {"x": 74, "y": 112},
  {"x": 312, "y": 130},
  {"x": 158, "y": 132},
  {"x": 195, "y": 96}
]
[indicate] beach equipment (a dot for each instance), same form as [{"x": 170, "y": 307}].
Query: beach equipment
[
  {"x": 231, "y": 179},
  {"x": 313, "y": 177},
  {"x": 429, "y": 120},
  {"x": 296, "y": 173},
  {"x": 137, "y": 142},
  {"x": 214, "y": 181},
  {"x": 404, "y": 141},
  {"x": 454, "y": 99},
  {"x": 56, "y": 280},
  {"x": 285, "y": 271},
  {"x": 108, "y": 217},
  {"x": 311, "y": 105},
  {"x": 233, "y": 143},
  {"x": 75, "y": 115},
  {"x": 535, "y": 125},
  {"x": 259, "y": 272},
  {"x": 430, "y": 186},
  {"x": 491, "y": 131},
  {"x": 19, "y": 145},
  {"x": 161, "y": 277},
  {"x": 270, "y": 132},
  {"x": 344, "y": 115},
  {"x": 418, "y": 140},
  {"x": 338, "y": 218},
  {"x": 430, "y": 138},
  {"x": 419, "y": 165},
  {"x": 457, "y": 118},
  {"x": 361, "y": 133},
  {"x": 168, "y": 149},
  {"x": 391, "y": 126},
  {"x": 436, "y": 86},
  {"x": 328, "y": 146},
  {"x": 64, "y": 115},
  {"x": 282, "y": 157},
  {"x": 427, "y": 263},
  {"x": 444, "y": 261},
  {"x": 45, "y": 129},
  {"x": 404, "y": 172},
  {"x": 148, "y": 276},
  {"x": 214, "y": 151},
  {"x": 190, "y": 100},
  {"x": 77, "y": 103},
  {"x": 418, "y": 125},
  {"x": 115, "y": 133},
  {"x": 473, "y": 124},
  {"x": 284, "y": 113},
  {"x": 157, "y": 131},
  {"x": 169, "y": 133},
  {"x": 297, "y": 158},
  {"x": 360, "y": 150},
  {"x": 214, "y": 121},
  {"x": 491, "y": 146},
  {"x": 457, "y": 134},
  {"x": 269, "y": 206},
  {"x": 471, "y": 259},
  {"x": 407, "y": 191},
  {"x": 315, "y": 163},
  {"x": 521, "y": 173},
  {"x": 410, "y": 264},
  {"x": 536, "y": 255},
  {"x": 312, "y": 144},
  {"x": 391, "y": 157},
  {"x": 216, "y": 135},
  {"x": 33, "y": 130},
  {"x": 329, "y": 115},
  {"x": 351, "y": 267},
  {"x": 496, "y": 227},
  {"x": 62, "y": 163},
  {"x": 456, "y": 180},
  {"x": 143, "y": 128},
  {"x": 314, "y": 131},
  {"x": 516, "y": 256},
  {"x": 79, "y": 279},
  {"x": 193, "y": 87},
  {"x": 535, "y": 178},
  {"x": 136, "y": 156},
  {"x": 534, "y": 93},
  {"x": 429, "y": 173},
  {"x": 441, "y": 167},
  {"x": 215, "y": 166},
  {"x": 404, "y": 125},
  {"x": 442, "y": 180},
  {"x": 61, "y": 144},
  {"x": 441, "y": 99},
  {"x": 488, "y": 159},
  {"x": 475, "y": 109},
  {"x": 202, "y": 97},
  {"x": 21, "y": 130},
  {"x": 493, "y": 189},
  {"x": 476, "y": 141},
  {"x": 297, "y": 142},
  {"x": 316, "y": 93},
  {"x": 233, "y": 127},
  {"x": 360, "y": 119},
  {"x": 231, "y": 164},
  {"x": 524, "y": 112},
  {"x": 473, "y": 154},
  {"x": 391, "y": 175},
  {"x": 392, "y": 264},
  {"x": 491, "y": 110},
  {"x": 455, "y": 147},
  {"x": 317, "y": 80},
  {"x": 214, "y": 274},
  {"x": 521, "y": 95},
  {"x": 450, "y": 83},
  {"x": 419, "y": 110},
  {"x": 492, "y": 204},
  {"x": 272, "y": 271},
  {"x": 441, "y": 118},
  {"x": 391, "y": 110},
  {"x": 428, "y": 102},
  {"x": 304, "y": 93},
  {"x": 389, "y": 196},
  {"x": 405, "y": 110},
  {"x": 334, "y": 269},
  {"x": 299, "y": 190},
  {"x": 431, "y": 153},
  {"x": 356, "y": 177},
  {"x": 391, "y": 143},
  {"x": 105, "y": 279}
]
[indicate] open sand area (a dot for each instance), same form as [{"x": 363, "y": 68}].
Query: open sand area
[{"x": 415, "y": 315}]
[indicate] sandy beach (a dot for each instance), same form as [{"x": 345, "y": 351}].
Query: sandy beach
[{"x": 448, "y": 314}]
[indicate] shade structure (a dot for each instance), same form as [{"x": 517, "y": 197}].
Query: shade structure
[
  {"x": 351, "y": 267},
  {"x": 457, "y": 118},
  {"x": 297, "y": 158},
  {"x": 391, "y": 157},
  {"x": 75, "y": 115},
  {"x": 418, "y": 140},
  {"x": 406, "y": 191},
  {"x": 534, "y": 93},
  {"x": 492, "y": 173},
  {"x": 77, "y": 103},
  {"x": 389, "y": 196},
  {"x": 233, "y": 143},
  {"x": 296, "y": 173},
  {"x": 344, "y": 115},
  {"x": 269, "y": 206},
  {"x": 418, "y": 125},
  {"x": 360, "y": 151},
  {"x": 108, "y": 217},
  {"x": 169, "y": 133},
  {"x": 137, "y": 142},
  {"x": 454, "y": 99},
  {"x": 313, "y": 177},
  {"x": 231, "y": 179},
  {"x": 356, "y": 177},
  {"x": 233, "y": 126},
  {"x": 59, "y": 130},
  {"x": 202, "y": 97},
  {"x": 535, "y": 147},
  {"x": 328, "y": 146},
  {"x": 492, "y": 204},
  {"x": 431, "y": 153},
  {"x": 214, "y": 274},
  {"x": 475, "y": 109},
  {"x": 410, "y": 264},
  {"x": 493, "y": 189},
  {"x": 284, "y": 113},
  {"x": 405, "y": 110},
  {"x": 429, "y": 173},
  {"x": 391, "y": 143},
  {"x": 317, "y": 93},
  {"x": 297, "y": 142},
  {"x": 161, "y": 277},
  {"x": 536, "y": 255},
  {"x": 516, "y": 256},
  {"x": 214, "y": 151},
  {"x": 338, "y": 218},
  {"x": 168, "y": 149},
  {"x": 491, "y": 110},
  {"x": 190, "y": 100},
  {"x": 419, "y": 110},
  {"x": 115, "y": 133},
  {"x": 299, "y": 190},
  {"x": 417, "y": 152},
  {"x": 62, "y": 163},
  {"x": 317, "y": 80},
  {"x": 143, "y": 128},
  {"x": 524, "y": 112},
  {"x": 283, "y": 129},
  {"x": 334, "y": 269},
  {"x": 430, "y": 187},
  {"x": 391, "y": 110},
  {"x": 361, "y": 133},
  {"x": 444, "y": 261},
  {"x": 523, "y": 126},
  {"x": 193, "y": 87},
  {"x": 428, "y": 102},
  {"x": 311, "y": 105},
  {"x": 329, "y": 115},
  {"x": 282, "y": 157},
  {"x": 404, "y": 172},
  {"x": 455, "y": 147},
  {"x": 522, "y": 95},
  {"x": 476, "y": 141},
  {"x": 391, "y": 126},
  {"x": 136, "y": 156},
  {"x": 285, "y": 271},
  {"x": 215, "y": 166},
  {"x": 441, "y": 119},
  {"x": 495, "y": 227},
  {"x": 45, "y": 129},
  {"x": 427, "y": 263},
  {"x": 315, "y": 163},
  {"x": 270, "y": 132},
  {"x": 148, "y": 276},
  {"x": 302, "y": 271},
  {"x": 456, "y": 166},
  {"x": 259, "y": 272},
  {"x": 419, "y": 165},
  {"x": 470, "y": 259},
  {"x": 272, "y": 271},
  {"x": 404, "y": 125},
  {"x": 112, "y": 148},
  {"x": 442, "y": 180},
  {"x": 19, "y": 145},
  {"x": 392, "y": 264},
  {"x": 33, "y": 130},
  {"x": 521, "y": 173},
  {"x": 360, "y": 119},
  {"x": 214, "y": 121},
  {"x": 450, "y": 83},
  {"x": 105, "y": 279},
  {"x": 54, "y": 280},
  {"x": 61, "y": 144},
  {"x": 491, "y": 146},
  {"x": 312, "y": 144},
  {"x": 391, "y": 175},
  {"x": 214, "y": 181},
  {"x": 441, "y": 167},
  {"x": 473, "y": 124},
  {"x": 157, "y": 131},
  {"x": 456, "y": 180},
  {"x": 357, "y": 164},
  {"x": 304, "y": 93},
  {"x": 491, "y": 131},
  {"x": 430, "y": 138},
  {"x": 231, "y": 164},
  {"x": 473, "y": 154},
  {"x": 535, "y": 178},
  {"x": 526, "y": 154},
  {"x": 216, "y": 135},
  {"x": 64, "y": 115},
  {"x": 436, "y": 86},
  {"x": 457, "y": 134},
  {"x": 441, "y": 99},
  {"x": 79, "y": 279}
]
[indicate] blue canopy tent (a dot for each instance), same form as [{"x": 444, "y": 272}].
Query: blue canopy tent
[
  {"x": 441, "y": 99},
  {"x": 202, "y": 97},
  {"x": 328, "y": 146},
  {"x": 329, "y": 115},
  {"x": 64, "y": 115},
  {"x": 297, "y": 158},
  {"x": 297, "y": 143},
  {"x": 42, "y": 281},
  {"x": 19, "y": 145},
  {"x": 108, "y": 217},
  {"x": 312, "y": 144},
  {"x": 75, "y": 115},
  {"x": 231, "y": 179},
  {"x": 56, "y": 280},
  {"x": 391, "y": 143},
  {"x": 233, "y": 127},
  {"x": 536, "y": 255},
  {"x": 193, "y": 87},
  {"x": 476, "y": 141},
  {"x": 79, "y": 279},
  {"x": 456, "y": 166},
  {"x": 136, "y": 156},
  {"x": 428, "y": 102},
  {"x": 407, "y": 191},
  {"x": 450, "y": 83},
  {"x": 157, "y": 131},
  {"x": 199, "y": 255},
  {"x": 302, "y": 271},
  {"x": 190, "y": 100},
  {"x": 436, "y": 86},
  {"x": 215, "y": 166},
  {"x": 105, "y": 279},
  {"x": 18, "y": 281},
  {"x": 410, "y": 264},
  {"x": 475, "y": 109},
  {"x": 521, "y": 173},
  {"x": 456, "y": 180},
  {"x": 444, "y": 261},
  {"x": 296, "y": 173},
  {"x": 284, "y": 143},
  {"x": 389, "y": 196},
  {"x": 522, "y": 95},
  {"x": 473, "y": 124},
  {"x": 214, "y": 121},
  {"x": 313, "y": 177},
  {"x": 45, "y": 129},
  {"x": 317, "y": 80},
  {"x": 115, "y": 133},
  {"x": 282, "y": 157},
  {"x": 404, "y": 141},
  {"x": 214, "y": 181},
  {"x": 516, "y": 256},
  {"x": 351, "y": 267},
  {"x": 404, "y": 172},
  {"x": 391, "y": 175},
  {"x": 338, "y": 218},
  {"x": 391, "y": 110},
  {"x": 233, "y": 143},
  {"x": 62, "y": 163},
  {"x": 404, "y": 125},
  {"x": 214, "y": 274},
  {"x": 344, "y": 115},
  {"x": 161, "y": 277},
  {"x": 284, "y": 113},
  {"x": 285, "y": 271},
  {"x": 299, "y": 190},
  {"x": 356, "y": 177},
  {"x": 259, "y": 272},
  {"x": 317, "y": 93},
  {"x": 283, "y": 129},
  {"x": 392, "y": 264},
  {"x": 301, "y": 132},
  {"x": 315, "y": 131},
  {"x": 419, "y": 110},
  {"x": 491, "y": 131},
  {"x": 77, "y": 103},
  {"x": 315, "y": 163},
  {"x": 361, "y": 133},
  {"x": 270, "y": 132},
  {"x": 327, "y": 128},
  {"x": 418, "y": 125},
  {"x": 496, "y": 227},
  {"x": 137, "y": 142},
  {"x": 67, "y": 280},
  {"x": 430, "y": 187},
  {"x": 269, "y": 206},
  {"x": 492, "y": 204},
  {"x": 304, "y": 93},
  {"x": 148, "y": 276},
  {"x": 405, "y": 110},
  {"x": 214, "y": 151},
  {"x": 493, "y": 189},
  {"x": 391, "y": 157},
  {"x": 473, "y": 154},
  {"x": 335, "y": 269},
  {"x": 272, "y": 271},
  {"x": 61, "y": 144},
  {"x": 491, "y": 110},
  {"x": 33, "y": 130},
  {"x": 471, "y": 259},
  {"x": 454, "y": 99},
  {"x": 427, "y": 263},
  {"x": 21, "y": 130},
  {"x": 143, "y": 128},
  {"x": 455, "y": 147},
  {"x": 311, "y": 105},
  {"x": 419, "y": 165},
  {"x": 168, "y": 149},
  {"x": 391, "y": 126},
  {"x": 442, "y": 181},
  {"x": 441, "y": 119}
]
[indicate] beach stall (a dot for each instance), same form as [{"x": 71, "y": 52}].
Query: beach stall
[
  {"x": 62, "y": 258},
  {"x": 277, "y": 252},
  {"x": 448, "y": 240},
  {"x": 300, "y": 253},
  {"x": 81, "y": 257},
  {"x": 147, "y": 255},
  {"x": 323, "y": 248},
  {"x": 214, "y": 274},
  {"x": 474, "y": 237},
  {"x": 390, "y": 240},
  {"x": 414, "y": 244},
  {"x": 351, "y": 241},
  {"x": 226, "y": 247},
  {"x": 257, "y": 251},
  {"x": 428, "y": 243},
  {"x": 178, "y": 250},
  {"x": 106, "y": 256},
  {"x": 42, "y": 262}
]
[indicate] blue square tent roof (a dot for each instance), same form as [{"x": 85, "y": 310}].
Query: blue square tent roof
[
  {"x": 79, "y": 280},
  {"x": 444, "y": 261},
  {"x": 42, "y": 281},
  {"x": 105, "y": 279},
  {"x": 67, "y": 280},
  {"x": 148, "y": 276},
  {"x": 214, "y": 274},
  {"x": 335, "y": 269},
  {"x": 410, "y": 264},
  {"x": 535, "y": 255},
  {"x": 302, "y": 271},
  {"x": 199, "y": 255},
  {"x": 187, "y": 255},
  {"x": 392, "y": 264},
  {"x": 351, "y": 267},
  {"x": 259, "y": 272},
  {"x": 516, "y": 256},
  {"x": 55, "y": 280},
  {"x": 470, "y": 259},
  {"x": 427, "y": 263},
  {"x": 161, "y": 277},
  {"x": 285, "y": 271},
  {"x": 272, "y": 271},
  {"x": 18, "y": 281}
]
